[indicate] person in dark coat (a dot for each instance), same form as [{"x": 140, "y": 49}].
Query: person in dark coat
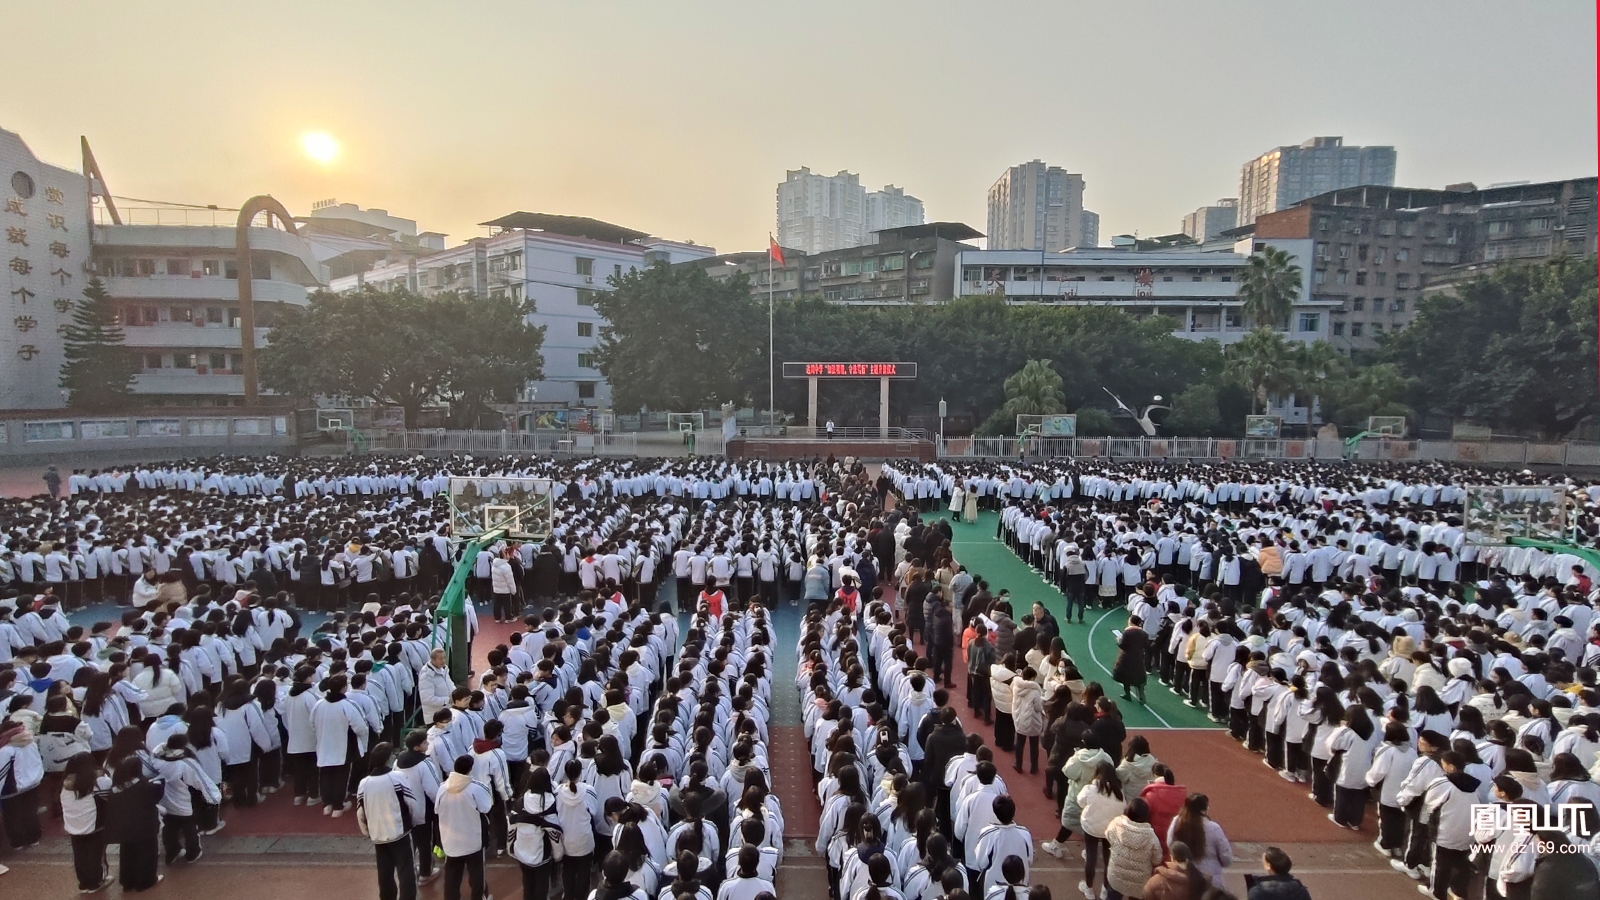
[
  {"x": 546, "y": 580},
  {"x": 945, "y": 742},
  {"x": 1108, "y": 728},
  {"x": 1133, "y": 650},
  {"x": 1278, "y": 884},
  {"x": 941, "y": 643},
  {"x": 131, "y": 810},
  {"x": 1561, "y": 875}
]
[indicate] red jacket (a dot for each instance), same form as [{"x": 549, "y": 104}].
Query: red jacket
[{"x": 1165, "y": 801}]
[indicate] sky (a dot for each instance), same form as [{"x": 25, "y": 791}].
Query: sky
[{"x": 681, "y": 118}]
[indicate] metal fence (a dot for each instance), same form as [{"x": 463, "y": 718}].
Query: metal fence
[
  {"x": 547, "y": 442},
  {"x": 1565, "y": 453}
]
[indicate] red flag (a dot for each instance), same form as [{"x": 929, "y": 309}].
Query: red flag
[{"x": 774, "y": 251}]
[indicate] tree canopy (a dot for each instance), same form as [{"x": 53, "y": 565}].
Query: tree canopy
[
  {"x": 1514, "y": 349},
  {"x": 403, "y": 349},
  {"x": 98, "y": 371},
  {"x": 676, "y": 339},
  {"x": 1033, "y": 390}
]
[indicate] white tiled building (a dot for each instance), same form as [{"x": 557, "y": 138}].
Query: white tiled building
[
  {"x": 558, "y": 262},
  {"x": 1198, "y": 290}
]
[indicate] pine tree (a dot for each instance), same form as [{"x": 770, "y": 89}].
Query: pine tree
[{"x": 98, "y": 369}]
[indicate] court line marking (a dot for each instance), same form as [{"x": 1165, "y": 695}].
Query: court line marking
[{"x": 1096, "y": 657}]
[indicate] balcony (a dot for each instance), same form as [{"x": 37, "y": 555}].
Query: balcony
[
  {"x": 156, "y": 240},
  {"x": 184, "y": 336},
  {"x": 1070, "y": 291},
  {"x": 188, "y": 381},
  {"x": 206, "y": 288}
]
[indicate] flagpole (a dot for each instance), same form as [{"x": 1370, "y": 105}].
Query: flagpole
[{"x": 772, "y": 378}]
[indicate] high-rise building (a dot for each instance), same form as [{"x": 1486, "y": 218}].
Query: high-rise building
[
  {"x": 1036, "y": 207},
  {"x": 891, "y": 207},
  {"x": 1282, "y": 177},
  {"x": 1089, "y": 235},
  {"x": 817, "y": 213},
  {"x": 1207, "y": 222}
]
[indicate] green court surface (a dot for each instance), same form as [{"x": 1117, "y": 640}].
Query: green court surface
[{"x": 1091, "y": 645}]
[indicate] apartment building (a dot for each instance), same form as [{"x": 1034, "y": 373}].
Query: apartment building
[
  {"x": 1035, "y": 206},
  {"x": 560, "y": 264},
  {"x": 1283, "y": 176},
  {"x": 1376, "y": 251},
  {"x": 818, "y": 213}
]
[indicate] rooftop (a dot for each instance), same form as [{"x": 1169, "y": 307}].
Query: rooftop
[
  {"x": 950, "y": 231},
  {"x": 572, "y": 226}
]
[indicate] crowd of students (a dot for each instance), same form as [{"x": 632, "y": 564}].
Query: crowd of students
[
  {"x": 1338, "y": 622},
  {"x": 1318, "y": 611}
]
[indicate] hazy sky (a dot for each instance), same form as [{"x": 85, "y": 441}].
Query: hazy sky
[{"x": 680, "y": 118}]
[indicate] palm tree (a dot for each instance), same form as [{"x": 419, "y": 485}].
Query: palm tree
[
  {"x": 1270, "y": 287},
  {"x": 1035, "y": 389},
  {"x": 1264, "y": 363},
  {"x": 1369, "y": 391}
]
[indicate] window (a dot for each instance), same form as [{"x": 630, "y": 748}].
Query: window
[
  {"x": 1342, "y": 277},
  {"x": 1361, "y": 278},
  {"x": 180, "y": 314},
  {"x": 1338, "y": 329},
  {"x": 1402, "y": 280},
  {"x": 1227, "y": 278},
  {"x": 1499, "y": 228},
  {"x": 924, "y": 261},
  {"x": 236, "y": 362},
  {"x": 586, "y": 361},
  {"x": 1322, "y": 223},
  {"x": 1377, "y": 328},
  {"x": 1408, "y": 228},
  {"x": 230, "y": 269},
  {"x": 1233, "y": 317},
  {"x": 233, "y": 317},
  {"x": 1358, "y": 304},
  {"x": 585, "y": 390},
  {"x": 183, "y": 360},
  {"x": 1386, "y": 228},
  {"x": 218, "y": 361},
  {"x": 851, "y": 267},
  {"x": 214, "y": 315},
  {"x": 585, "y": 297},
  {"x": 585, "y": 329},
  {"x": 585, "y": 266},
  {"x": 178, "y": 267},
  {"x": 1401, "y": 254},
  {"x": 1310, "y": 321},
  {"x": 1319, "y": 277},
  {"x": 152, "y": 361},
  {"x": 1344, "y": 251},
  {"x": 1379, "y": 255},
  {"x": 1383, "y": 277},
  {"x": 1540, "y": 224},
  {"x": 893, "y": 262},
  {"x": 617, "y": 270},
  {"x": 210, "y": 267},
  {"x": 1355, "y": 329},
  {"x": 1322, "y": 249},
  {"x": 1399, "y": 305},
  {"x": 1361, "y": 252}
]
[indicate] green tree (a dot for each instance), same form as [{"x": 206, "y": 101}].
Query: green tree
[
  {"x": 1264, "y": 363},
  {"x": 405, "y": 350},
  {"x": 1094, "y": 422},
  {"x": 1194, "y": 412},
  {"x": 1270, "y": 286},
  {"x": 1376, "y": 390},
  {"x": 1514, "y": 349},
  {"x": 98, "y": 370},
  {"x": 674, "y": 339},
  {"x": 1033, "y": 390}
]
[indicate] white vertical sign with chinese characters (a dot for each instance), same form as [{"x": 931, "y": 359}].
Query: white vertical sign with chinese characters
[{"x": 44, "y": 220}]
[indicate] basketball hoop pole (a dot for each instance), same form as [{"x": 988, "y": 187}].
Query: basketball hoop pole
[{"x": 453, "y": 604}]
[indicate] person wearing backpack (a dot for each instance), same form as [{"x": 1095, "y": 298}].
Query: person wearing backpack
[{"x": 536, "y": 836}]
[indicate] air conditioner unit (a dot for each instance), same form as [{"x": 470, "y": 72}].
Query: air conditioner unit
[{"x": 588, "y": 279}]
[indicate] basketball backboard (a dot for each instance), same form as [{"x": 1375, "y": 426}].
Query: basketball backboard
[
  {"x": 1496, "y": 513},
  {"x": 522, "y": 506}
]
